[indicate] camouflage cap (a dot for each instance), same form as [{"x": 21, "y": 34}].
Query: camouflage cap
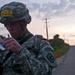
[{"x": 14, "y": 11}]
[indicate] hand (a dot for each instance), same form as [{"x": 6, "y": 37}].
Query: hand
[{"x": 11, "y": 44}]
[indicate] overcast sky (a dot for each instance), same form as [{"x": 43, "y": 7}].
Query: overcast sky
[{"x": 60, "y": 14}]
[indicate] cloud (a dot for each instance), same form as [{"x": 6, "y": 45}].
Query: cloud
[
  {"x": 34, "y": 7},
  {"x": 47, "y": 9},
  {"x": 72, "y": 35}
]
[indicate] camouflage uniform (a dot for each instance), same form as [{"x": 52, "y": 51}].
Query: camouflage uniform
[
  {"x": 36, "y": 56},
  {"x": 31, "y": 60}
]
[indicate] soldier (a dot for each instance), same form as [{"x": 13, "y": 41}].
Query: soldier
[{"x": 24, "y": 54}]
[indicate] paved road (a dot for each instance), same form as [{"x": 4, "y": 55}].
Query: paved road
[{"x": 67, "y": 67}]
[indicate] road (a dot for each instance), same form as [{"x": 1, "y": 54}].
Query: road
[{"x": 67, "y": 67}]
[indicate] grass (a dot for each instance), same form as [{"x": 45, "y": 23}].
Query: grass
[{"x": 61, "y": 51}]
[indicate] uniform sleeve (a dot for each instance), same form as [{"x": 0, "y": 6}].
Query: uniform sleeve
[
  {"x": 40, "y": 65},
  {"x": 1, "y": 57}
]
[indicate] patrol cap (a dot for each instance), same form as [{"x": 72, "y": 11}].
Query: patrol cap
[{"x": 13, "y": 12}]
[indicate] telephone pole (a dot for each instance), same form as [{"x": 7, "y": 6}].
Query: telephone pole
[{"x": 46, "y": 21}]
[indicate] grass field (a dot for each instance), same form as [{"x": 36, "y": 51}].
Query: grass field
[{"x": 61, "y": 51}]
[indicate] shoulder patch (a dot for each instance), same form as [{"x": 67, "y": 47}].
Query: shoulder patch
[{"x": 50, "y": 57}]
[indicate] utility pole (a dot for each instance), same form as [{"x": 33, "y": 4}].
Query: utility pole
[{"x": 46, "y": 21}]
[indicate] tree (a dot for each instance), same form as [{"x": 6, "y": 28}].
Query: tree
[
  {"x": 56, "y": 41},
  {"x": 2, "y": 37}
]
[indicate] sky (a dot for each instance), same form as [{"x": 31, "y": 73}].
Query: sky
[{"x": 60, "y": 16}]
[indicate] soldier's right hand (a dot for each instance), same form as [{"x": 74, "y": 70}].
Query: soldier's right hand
[{"x": 11, "y": 44}]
